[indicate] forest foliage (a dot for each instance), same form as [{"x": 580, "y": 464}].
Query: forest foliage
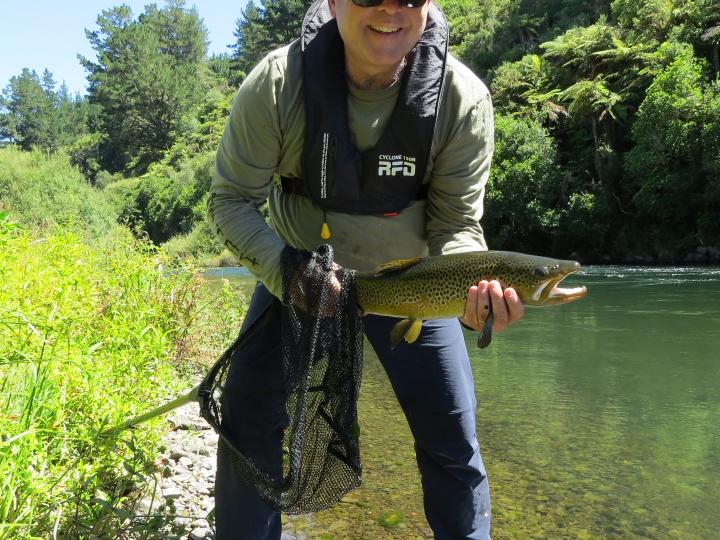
[{"x": 607, "y": 115}]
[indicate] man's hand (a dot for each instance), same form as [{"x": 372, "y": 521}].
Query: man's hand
[
  {"x": 305, "y": 294},
  {"x": 506, "y": 305}
]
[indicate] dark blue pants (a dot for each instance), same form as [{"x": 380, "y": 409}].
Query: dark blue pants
[{"x": 434, "y": 386}]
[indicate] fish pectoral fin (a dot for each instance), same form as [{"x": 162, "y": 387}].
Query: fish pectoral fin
[
  {"x": 398, "y": 332},
  {"x": 396, "y": 266},
  {"x": 407, "y": 329},
  {"x": 486, "y": 333},
  {"x": 414, "y": 331}
]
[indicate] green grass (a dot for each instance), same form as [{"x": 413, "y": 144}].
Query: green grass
[{"x": 91, "y": 334}]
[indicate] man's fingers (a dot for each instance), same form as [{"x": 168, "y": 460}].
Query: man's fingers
[
  {"x": 516, "y": 308},
  {"x": 476, "y": 306},
  {"x": 500, "y": 309},
  {"x": 506, "y": 304},
  {"x": 482, "y": 304},
  {"x": 470, "y": 315}
]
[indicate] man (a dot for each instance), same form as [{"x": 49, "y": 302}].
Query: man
[{"x": 383, "y": 142}]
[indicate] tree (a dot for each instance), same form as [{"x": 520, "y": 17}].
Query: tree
[
  {"x": 524, "y": 189},
  {"x": 220, "y": 69},
  {"x": 574, "y": 51},
  {"x": 249, "y": 33},
  {"x": 708, "y": 224},
  {"x": 264, "y": 28},
  {"x": 577, "y": 81},
  {"x": 145, "y": 78},
  {"x": 698, "y": 22},
  {"x": 666, "y": 167},
  {"x": 593, "y": 99},
  {"x": 474, "y": 29},
  {"x": 167, "y": 202},
  {"x": 520, "y": 88},
  {"x": 27, "y": 112},
  {"x": 485, "y": 34},
  {"x": 35, "y": 115},
  {"x": 649, "y": 19},
  {"x": 181, "y": 32}
]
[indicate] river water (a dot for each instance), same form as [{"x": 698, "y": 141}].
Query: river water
[{"x": 599, "y": 418}]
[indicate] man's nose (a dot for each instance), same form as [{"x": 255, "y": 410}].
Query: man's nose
[{"x": 392, "y": 6}]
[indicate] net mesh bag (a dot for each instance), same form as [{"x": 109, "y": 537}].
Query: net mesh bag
[{"x": 321, "y": 342}]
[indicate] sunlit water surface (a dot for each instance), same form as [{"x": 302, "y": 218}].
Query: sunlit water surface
[{"x": 596, "y": 419}]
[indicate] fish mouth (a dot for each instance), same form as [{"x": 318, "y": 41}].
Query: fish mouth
[
  {"x": 549, "y": 292},
  {"x": 562, "y": 295}
]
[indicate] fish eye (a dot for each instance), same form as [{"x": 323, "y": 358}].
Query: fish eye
[{"x": 541, "y": 271}]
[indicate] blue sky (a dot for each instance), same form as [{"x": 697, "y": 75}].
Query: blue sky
[{"x": 40, "y": 34}]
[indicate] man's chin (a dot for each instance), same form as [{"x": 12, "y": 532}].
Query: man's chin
[{"x": 386, "y": 60}]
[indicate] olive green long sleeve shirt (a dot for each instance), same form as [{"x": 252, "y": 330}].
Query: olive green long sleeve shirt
[{"x": 264, "y": 136}]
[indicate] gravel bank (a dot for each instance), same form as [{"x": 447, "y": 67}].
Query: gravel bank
[{"x": 181, "y": 498}]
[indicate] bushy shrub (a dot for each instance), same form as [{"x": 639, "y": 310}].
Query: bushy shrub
[
  {"x": 168, "y": 202},
  {"x": 44, "y": 191}
]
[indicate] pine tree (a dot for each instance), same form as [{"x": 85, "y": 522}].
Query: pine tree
[
  {"x": 263, "y": 28},
  {"x": 27, "y": 112},
  {"x": 145, "y": 78}
]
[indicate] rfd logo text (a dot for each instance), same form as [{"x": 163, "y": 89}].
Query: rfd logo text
[{"x": 396, "y": 165}]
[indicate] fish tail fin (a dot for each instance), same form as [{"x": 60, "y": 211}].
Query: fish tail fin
[{"x": 407, "y": 329}]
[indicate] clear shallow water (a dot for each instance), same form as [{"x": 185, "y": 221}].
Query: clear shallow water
[
  {"x": 599, "y": 418},
  {"x": 602, "y": 417}
]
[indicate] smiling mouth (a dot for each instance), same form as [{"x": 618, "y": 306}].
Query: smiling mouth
[{"x": 385, "y": 29}]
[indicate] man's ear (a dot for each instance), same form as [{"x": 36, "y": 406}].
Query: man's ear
[{"x": 331, "y": 4}]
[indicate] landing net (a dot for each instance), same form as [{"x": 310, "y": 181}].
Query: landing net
[{"x": 321, "y": 340}]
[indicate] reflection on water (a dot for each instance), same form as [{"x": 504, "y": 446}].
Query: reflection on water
[{"x": 596, "y": 419}]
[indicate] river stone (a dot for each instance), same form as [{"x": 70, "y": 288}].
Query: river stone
[
  {"x": 182, "y": 475},
  {"x": 202, "y": 488},
  {"x": 145, "y": 505},
  {"x": 199, "y": 523},
  {"x": 172, "y": 492},
  {"x": 181, "y": 521},
  {"x": 177, "y": 453},
  {"x": 194, "y": 425},
  {"x": 199, "y": 533}
]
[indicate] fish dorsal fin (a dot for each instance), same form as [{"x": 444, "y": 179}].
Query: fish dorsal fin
[{"x": 396, "y": 266}]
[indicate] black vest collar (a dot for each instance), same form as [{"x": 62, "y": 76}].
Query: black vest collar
[{"x": 386, "y": 178}]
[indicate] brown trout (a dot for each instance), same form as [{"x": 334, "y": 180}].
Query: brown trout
[{"x": 436, "y": 287}]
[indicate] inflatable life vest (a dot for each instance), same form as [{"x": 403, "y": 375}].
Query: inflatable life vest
[{"x": 386, "y": 178}]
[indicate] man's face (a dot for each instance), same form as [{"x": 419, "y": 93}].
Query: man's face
[{"x": 378, "y": 38}]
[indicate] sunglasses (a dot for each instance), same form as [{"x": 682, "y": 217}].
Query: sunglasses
[{"x": 403, "y": 3}]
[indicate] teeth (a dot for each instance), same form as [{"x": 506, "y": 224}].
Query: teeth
[{"x": 386, "y": 29}]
